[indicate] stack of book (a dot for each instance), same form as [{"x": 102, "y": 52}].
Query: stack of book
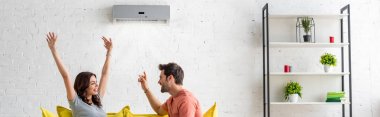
[{"x": 334, "y": 96}]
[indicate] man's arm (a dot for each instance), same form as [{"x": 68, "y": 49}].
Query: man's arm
[{"x": 154, "y": 102}]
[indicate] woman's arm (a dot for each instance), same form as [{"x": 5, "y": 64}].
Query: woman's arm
[
  {"x": 51, "y": 39},
  {"x": 106, "y": 69}
]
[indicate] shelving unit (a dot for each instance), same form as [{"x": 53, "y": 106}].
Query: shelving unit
[
  {"x": 344, "y": 45},
  {"x": 308, "y": 74},
  {"x": 306, "y": 45},
  {"x": 309, "y": 103},
  {"x": 317, "y": 16}
]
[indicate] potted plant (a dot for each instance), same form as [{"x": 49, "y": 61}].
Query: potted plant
[
  {"x": 328, "y": 60},
  {"x": 306, "y": 23},
  {"x": 293, "y": 91}
]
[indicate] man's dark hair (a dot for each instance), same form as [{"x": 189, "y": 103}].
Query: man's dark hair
[{"x": 173, "y": 69}]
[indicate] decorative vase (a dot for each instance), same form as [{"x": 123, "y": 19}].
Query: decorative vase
[
  {"x": 327, "y": 68},
  {"x": 306, "y": 38},
  {"x": 293, "y": 98}
]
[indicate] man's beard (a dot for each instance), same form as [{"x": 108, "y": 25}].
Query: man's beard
[{"x": 164, "y": 89}]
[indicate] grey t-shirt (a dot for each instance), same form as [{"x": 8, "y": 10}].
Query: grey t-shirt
[{"x": 82, "y": 109}]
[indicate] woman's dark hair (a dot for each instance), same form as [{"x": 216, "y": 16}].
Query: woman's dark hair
[
  {"x": 173, "y": 69},
  {"x": 82, "y": 82}
]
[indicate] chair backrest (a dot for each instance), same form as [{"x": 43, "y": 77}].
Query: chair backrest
[
  {"x": 128, "y": 113},
  {"x": 64, "y": 112},
  {"x": 46, "y": 113},
  {"x": 125, "y": 112},
  {"x": 212, "y": 112}
]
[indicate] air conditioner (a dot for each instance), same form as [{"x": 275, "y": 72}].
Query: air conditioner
[{"x": 141, "y": 13}]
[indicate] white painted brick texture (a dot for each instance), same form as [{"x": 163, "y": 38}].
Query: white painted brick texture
[{"x": 217, "y": 42}]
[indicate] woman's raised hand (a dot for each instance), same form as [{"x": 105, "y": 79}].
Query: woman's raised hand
[
  {"x": 107, "y": 43},
  {"x": 51, "y": 38}
]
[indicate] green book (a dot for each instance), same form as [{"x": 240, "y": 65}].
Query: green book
[
  {"x": 335, "y": 93},
  {"x": 335, "y": 96},
  {"x": 333, "y": 100}
]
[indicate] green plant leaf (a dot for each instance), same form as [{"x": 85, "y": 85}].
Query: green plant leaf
[
  {"x": 292, "y": 88},
  {"x": 306, "y": 24},
  {"x": 328, "y": 59}
]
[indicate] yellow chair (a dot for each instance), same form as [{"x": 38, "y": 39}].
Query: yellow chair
[
  {"x": 119, "y": 114},
  {"x": 212, "y": 112},
  {"x": 65, "y": 112},
  {"x": 125, "y": 112},
  {"x": 46, "y": 113},
  {"x": 128, "y": 113}
]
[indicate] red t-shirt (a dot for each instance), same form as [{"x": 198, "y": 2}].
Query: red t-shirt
[{"x": 184, "y": 104}]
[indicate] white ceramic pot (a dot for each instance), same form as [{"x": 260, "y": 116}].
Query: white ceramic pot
[
  {"x": 327, "y": 68},
  {"x": 293, "y": 98}
]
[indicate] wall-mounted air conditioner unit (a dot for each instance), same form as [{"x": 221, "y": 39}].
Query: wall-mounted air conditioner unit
[{"x": 141, "y": 13}]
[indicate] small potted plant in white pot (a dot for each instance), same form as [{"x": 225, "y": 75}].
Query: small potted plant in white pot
[
  {"x": 328, "y": 60},
  {"x": 307, "y": 24},
  {"x": 293, "y": 91}
]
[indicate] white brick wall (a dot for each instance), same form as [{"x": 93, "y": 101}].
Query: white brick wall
[{"x": 217, "y": 42}]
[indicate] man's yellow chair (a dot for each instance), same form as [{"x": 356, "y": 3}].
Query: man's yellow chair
[
  {"x": 212, "y": 112},
  {"x": 128, "y": 113}
]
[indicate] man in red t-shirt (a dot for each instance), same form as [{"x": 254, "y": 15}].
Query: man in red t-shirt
[{"x": 181, "y": 103}]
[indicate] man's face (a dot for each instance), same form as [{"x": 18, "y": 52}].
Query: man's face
[{"x": 163, "y": 82}]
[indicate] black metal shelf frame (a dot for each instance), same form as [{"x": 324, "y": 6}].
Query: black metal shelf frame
[{"x": 266, "y": 78}]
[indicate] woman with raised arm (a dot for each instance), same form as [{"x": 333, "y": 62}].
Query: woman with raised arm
[{"x": 85, "y": 97}]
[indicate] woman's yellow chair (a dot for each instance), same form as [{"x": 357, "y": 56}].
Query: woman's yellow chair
[
  {"x": 65, "y": 112},
  {"x": 46, "y": 113}
]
